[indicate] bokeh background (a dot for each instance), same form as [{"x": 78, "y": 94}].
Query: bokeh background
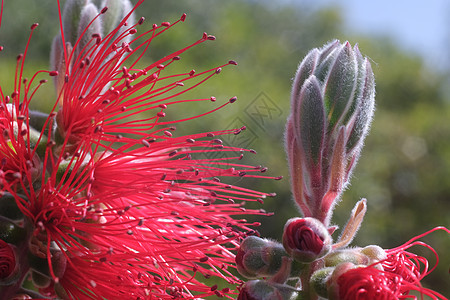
[{"x": 404, "y": 171}]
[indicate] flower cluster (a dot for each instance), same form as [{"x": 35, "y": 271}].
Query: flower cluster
[
  {"x": 99, "y": 198},
  {"x": 331, "y": 109}
]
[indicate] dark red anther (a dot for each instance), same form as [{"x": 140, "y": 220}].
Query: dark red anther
[
  {"x": 210, "y": 134},
  {"x": 161, "y": 114},
  {"x": 167, "y": 133},
  {"x": 183, "y": 18},
  {"x": 214, "y": 287},
  {"x": 233, "y": 99},
  {"x": 204, "y": 259},
  {"x": 212, "y": 98},
  {"x": 66, "y": 78},
  {"x": 1, "y": 48},
  {"x": 163, "y": 106},
  {"x": 42, "y": 81},
  {"x": 191, "y": 73},
  {"x": 232, "y": 62},
  {"x": 19, "y": 57},
  {"x": 104, "y": 9},
  {"x": 141, "y": 20},
  {"x": 190, "y": 141},
  {"x": 242, "y": 174},
  {"x": 53, "y": 73},
  {"x": 165, "y": 24},
  {"x": 154, "y": 26},
  {"x": 173, "y": 153},
  {"x": 211, "y": 37},
  {"x": 252, "y": 151},
  {"x": 14, "y": 94},
  {"x": 132, "y": 31},
  {"x": 264, "y": 169},
  {"x": 218, "y": 70},
  {"x": 278, "y": 178},
  {"x": 205, "y": 36},
  {"x": 33, "y": 27},
  {"x": 179, "y": 84},
  {"x": 176, "y": 58}
]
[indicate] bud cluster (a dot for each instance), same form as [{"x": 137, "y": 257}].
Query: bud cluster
[{"x": 331, "y": 109}]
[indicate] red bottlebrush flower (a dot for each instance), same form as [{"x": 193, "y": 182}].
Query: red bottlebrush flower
[
  {"x": 114, "y": 205},
  {"x": 392, "y": 278}
]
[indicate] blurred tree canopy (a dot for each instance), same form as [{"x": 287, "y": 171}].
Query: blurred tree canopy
[{"x": 404, "y": 171}]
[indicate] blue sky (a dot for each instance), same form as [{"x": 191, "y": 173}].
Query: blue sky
[{"x": 421, "y": 26}]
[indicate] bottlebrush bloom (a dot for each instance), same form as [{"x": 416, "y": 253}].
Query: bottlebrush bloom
[
  {"x": 394, "y": 277},
  {"x": 107, "y": 201}
]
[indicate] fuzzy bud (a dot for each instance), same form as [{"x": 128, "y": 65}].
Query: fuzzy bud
[
  {"x": 9, "y": 208},
  {"x": 306, "y": 239},
  {"x": 319, "y": 280},
  {"x": 11, "y": 233},
  {"x": 259, "y": 257},
  {"x": 332, "y": 105},
  {"x": 263, "y": 290},
  {"x": 346, "y": 255}
]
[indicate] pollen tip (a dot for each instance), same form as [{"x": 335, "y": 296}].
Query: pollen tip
[
  {"x": 141, "y": 20},
  {"x": 165, "y": 24},
  {"x": 34, "y": 26},
  {"x": 233, "y": 99},
  {"x": 183, "y": 17},
  {"x": 53, "y": 73},
  {"x": 104, "y": 9}
]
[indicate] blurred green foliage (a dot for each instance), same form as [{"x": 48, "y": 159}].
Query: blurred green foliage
[{"x": 404, "y": 171}]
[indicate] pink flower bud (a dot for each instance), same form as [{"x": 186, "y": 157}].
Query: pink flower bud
[
  {"x": 306, "y": 239},
  {"x": 8, "y": 265}
]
